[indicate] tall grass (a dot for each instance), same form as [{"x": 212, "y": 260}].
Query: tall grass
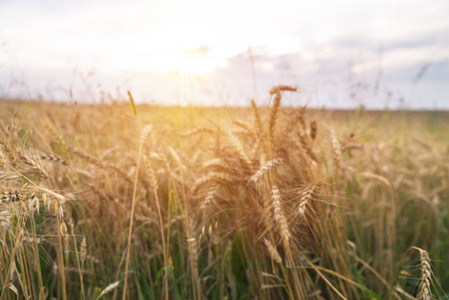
[{"x": 265, "y": 202}]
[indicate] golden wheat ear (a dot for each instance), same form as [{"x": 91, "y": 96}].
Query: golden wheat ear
[
  {"x": 279, "y": 216},
  {"x": 425, "y": 292},
  {"x": 279, "y": 88}
]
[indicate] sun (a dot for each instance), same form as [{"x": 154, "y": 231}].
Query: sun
[
  {"x": 192, "y": 65},
  {"x": 198, "y": 62}
]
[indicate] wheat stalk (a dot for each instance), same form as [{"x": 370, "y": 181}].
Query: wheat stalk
[
  {"x": 209, "y": 197},
  {"x": 212, "y": 177},
  {"x": 5, "y": 223},
  {"x": 273, "y": 251},
  {"x": 277, "y": 89},
  {"x": 237, "y": 146},
  {"x": 279, "y": 215},
  {"x": 56, "y": 136},
  {"x": 245, "y": 126},
  {"x": 165, "y": 165},
  {"x": 305, "y": 198},
  {"x": 266, "y": 167},
  {"x": 53, "y": 158},
  {"x": 33, "y": 165},
  {"x": 143, "y": 137},
  {"x": 197, "y": 131},
  {"x": 215, "y": 163},
  {"x": 83, "y": 250},
  {"x": 98, "y": 163},
  {"x": 176, "y": 158},
  {"x": 109, "y": 289},
  {"x": 273, "y": 116},
  {"x": 336, "y": 149},
  {"x": 153, "y": 179},
  {"x": 425, "y": 292},
  {"x": 313, "y": 130}
]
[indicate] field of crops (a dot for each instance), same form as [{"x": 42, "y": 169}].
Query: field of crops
[{"x": 147, "y": 202}]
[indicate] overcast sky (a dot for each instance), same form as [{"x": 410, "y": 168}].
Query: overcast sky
[{"x": 339, "y": 53}]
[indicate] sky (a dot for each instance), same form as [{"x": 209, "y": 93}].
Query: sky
[{"x": 340, "y": 54}]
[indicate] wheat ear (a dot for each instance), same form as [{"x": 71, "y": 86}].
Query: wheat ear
[
  {"x": 279, "y": 215},
  {"x": 426, "y": 274}
]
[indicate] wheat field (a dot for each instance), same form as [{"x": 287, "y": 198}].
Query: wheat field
[{"x": 146, "y": 202}]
